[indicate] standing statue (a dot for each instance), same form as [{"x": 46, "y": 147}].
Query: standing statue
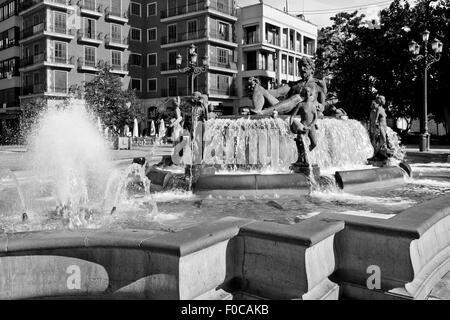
[
  {"x": 378, "y": 130},
  {"x": 266, "y": 101},
  {"x": 306, "y": 124}
]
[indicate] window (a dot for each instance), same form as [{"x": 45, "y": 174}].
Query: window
[
  {"x": 151, "y": 9},
  {"x": 116, "y": 8},
  {"x": 172, "y": 32},
  {"x": 89, "y": 28},
  {"x": 151, "y": 34},
  {"x": 152, "y": 85},
  {"x": 89, "y": 56},
  {"x": 60, "y": 52},
  {"x": 135, "y": 34},
  {"x": 172, "y": 86},
  {"x": 116, "y": 58},
  {"x": 60, "y": 22},
  {"x": 192, "y": 29},
  {"x": 135, "y": 60},
  {"x": 152, "y": 59},
  {"x": 222, "y": 56},
  {"x": 136, "y": 84},
  {"x": 172, "y": 57},
  {"x": 36, "y": 78},
  {"x": 60, "y": 81},
  {"x": 135, "y": 9},
  {"x": 116, "y": 32}
]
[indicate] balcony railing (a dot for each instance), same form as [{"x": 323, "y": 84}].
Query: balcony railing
[
  {"x": 115, "y": 40},
  {"x": 273, "y": 40},
  {"x": 90, "y": 63},
  {"x": 118, "y": 67},
  {"x": 36, "y": 29},
  {"x": 221, "y": 35},
  {"x": 222, "y": 63},
  {"x": 216, "y": 5},
  {"x": 8, "y": 43},
  {"x": 33, "y": 89},
  {"x": 168, "y": 67},
  {"x": 184, "y": 36},
  {"x": 221, "y": 7},
  {"x": 38, "y": 58},
  {"x": 251, "y": 38},
  {"x": 112, "y": 13},
  {"x": 221, "y": 91},
  {"x": 88, "y": 35},
  {"x": 23, "y": 5}
]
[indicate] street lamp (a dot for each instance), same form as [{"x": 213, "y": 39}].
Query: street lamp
[
  {"x": 192, "y": 67},
  {"x": 428, "y": 60}
]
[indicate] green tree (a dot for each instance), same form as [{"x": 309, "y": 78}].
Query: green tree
[
  {"x": 31, "y": 109},
  {"x": 368, "y": 61},
  {"x": 115, "y": 107}
]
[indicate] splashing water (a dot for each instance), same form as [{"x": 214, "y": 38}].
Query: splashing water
[
  {"x": 6, "y": 173},
  {"x": 268, "y": 143},
  {"x": 67, "y": 148},
  {"x": 132, "y": 180}
]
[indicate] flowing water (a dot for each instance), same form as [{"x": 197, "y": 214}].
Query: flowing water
[{"x": 71, "y": 183}]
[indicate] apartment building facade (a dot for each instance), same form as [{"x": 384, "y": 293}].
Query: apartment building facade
[
  {"x": 9, "y": 64},
  {"x": 63, "y": 42},
  {"x": 162, "y": 29},
  {"x": 50, "y": 47},
  {"x": 271, "y": 43}
]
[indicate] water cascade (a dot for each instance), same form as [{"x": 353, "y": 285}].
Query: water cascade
[{"x": 267, "y": 143}]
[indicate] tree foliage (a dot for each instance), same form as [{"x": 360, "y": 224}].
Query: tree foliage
[
  {"x": 368, "y": 61},
  {"x": 115, "y": 106}
]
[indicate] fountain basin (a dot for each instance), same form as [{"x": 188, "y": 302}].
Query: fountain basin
[
  {"x": 252, "y": 182},
  {"x": 370, "y": 178},
  {"x": 324, "y": 257}
]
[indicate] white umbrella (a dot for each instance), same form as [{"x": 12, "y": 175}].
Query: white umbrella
[
  {"x": 162, "y": 129},
  {"x": 135, "y": 128},
  {"x": 152, "y": 128}
]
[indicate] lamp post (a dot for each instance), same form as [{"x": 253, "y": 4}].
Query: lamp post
[
  {"x": 192, "y": 68},
  {"x": 428, "y": 59}
]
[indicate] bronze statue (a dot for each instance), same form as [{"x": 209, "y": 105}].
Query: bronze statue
[
  {"x": 266, "y": 101},
  {"x": 306, "y": 124},
  {"x": 378, "y": 130}
]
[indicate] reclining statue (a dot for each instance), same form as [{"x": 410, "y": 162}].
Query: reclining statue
[{"x": 265, "y": 102}]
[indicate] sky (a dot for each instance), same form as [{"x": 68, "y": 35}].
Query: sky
[{"x": 320, "y": 11}]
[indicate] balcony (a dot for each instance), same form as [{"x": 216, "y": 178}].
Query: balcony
[
  {"x": 87, "y": 65},
  {"x": 184, "y": 37},
  {"x": 173, "y": 92},
  {"x": 168, "y": 67},
  {"x": 225, "y": 65},
  {"x": 214, "y": 7},
  {"x": 119, "y": 69},
  {"x": 90, "y": 37},
  {"x": 90, "y": 8},
  {"x": 116, "y": 42},
  {"x": 221, "y": 91},
  {"x": 59, "y": 90},
  {"x": 27, "y": 6},
  {"x": 116, "y": 15},
  {"x": 34, "y": 89},
  {"x": 223, "y": 37},
  {"x": 40, "y": 60},
  {"x": 251, "y": 38},
  {"x": 42, "y": 29}
]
